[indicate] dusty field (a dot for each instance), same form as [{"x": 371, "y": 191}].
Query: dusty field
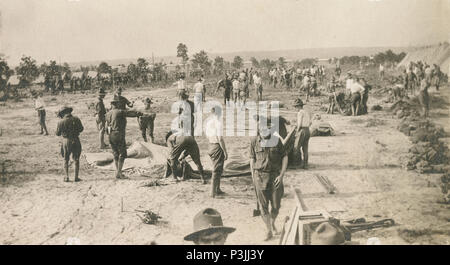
[{"x": 363, "y": 161}]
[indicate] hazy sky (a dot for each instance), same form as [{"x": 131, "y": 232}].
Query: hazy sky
[{"x": 82, "y": 30}]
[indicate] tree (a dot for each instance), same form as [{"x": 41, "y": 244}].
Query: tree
[
  {"x": 219, "y": 65},
  {"x": 182, "y": 51},
  {"x": 132, "y": 71},
  {"x": 281, "y": 62},
  {"x": 200, "y": 60},
  {"x": 104, "y": 68},
  {"x": 28, "y": 69},
  {"x": 237, "y": 62},
  {"x": 143, "y": 70},
  {"x": 255, "y": 62},
  {"x": 5, "y": 73},
  {"x": 267, "y": 63}
]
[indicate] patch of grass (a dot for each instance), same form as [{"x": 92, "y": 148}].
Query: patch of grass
[
  {"x": 411, "y": 235},
  {"x": 375, "y": 123}
]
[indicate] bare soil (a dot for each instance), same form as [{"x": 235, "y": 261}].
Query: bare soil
[{"x": 363, "y": 161}]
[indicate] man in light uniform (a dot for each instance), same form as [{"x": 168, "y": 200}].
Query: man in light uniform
[{"x": 357, "y": 91}]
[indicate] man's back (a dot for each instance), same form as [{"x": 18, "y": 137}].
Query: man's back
[{"x": 69, "y": 127}]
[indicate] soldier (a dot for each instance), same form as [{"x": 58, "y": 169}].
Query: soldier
[
  {"x": 357, "y": 90},
  {"x": 302, "y": 133},
  {"x": 100, "y": 112},
  {"x": 236, "y": 89},
  {"x": 258, "y": 86},
  {"x": 268, "y": 163},
  {"x": 123, "y": 101},
  {"x": 217, "y": 149},
  {"x": 180, "y": 84},
  {"x": 146, "y": 122},
  {"x": 180, "y": 147},
  {"x": 70, "y": 128},
  {"x": 116, "y": 120},
  {"x": 424, "y": 99},
  {"x": 39, "y": 106}
]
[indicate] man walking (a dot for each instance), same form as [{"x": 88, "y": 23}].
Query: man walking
[
  {"x": 424, "y": 98},
  {"x": 100, "y": 112},
  {"x": 302, "y": 133},
  {"x": 70, "y": 127},
  {"x": 268, "y": 164},
  {"x": 116, "y": 120}
]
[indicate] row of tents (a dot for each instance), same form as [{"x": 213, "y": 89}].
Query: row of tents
[{"x": 15, "y": 80}]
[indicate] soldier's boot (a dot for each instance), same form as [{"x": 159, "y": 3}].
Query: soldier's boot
[
  {"x": 102, "y": 139},
  {"x": 267, "y": 220},
  {"x": 77, "y": 170},
  {"x": 116, "y": 165},
  {"x": 119, "y": 168},
  {"x": 202, "y": 175},
  {"x": 45, "y": 129},
  {"x": 219, "y": 191},
  {"x": 214, "y": 185},
  {"x": 66, "y": 170}
]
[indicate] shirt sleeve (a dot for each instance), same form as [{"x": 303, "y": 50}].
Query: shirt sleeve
[
  {"x": 80, "y": 126},
  {"x": 132, "y": 113},
  {"x": 58, "y": 129}
]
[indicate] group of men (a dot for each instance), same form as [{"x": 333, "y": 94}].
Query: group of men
[
  {"x": 112, "y": 122},
  {"x": 294, "y": 77},
  {"x": 236, "y": 86}
]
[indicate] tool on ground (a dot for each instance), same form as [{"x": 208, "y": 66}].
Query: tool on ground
[
  {"x": 149, "y": 217},
  {"x": 361, "y": 224},
  {"x": 327, "y": 184}
]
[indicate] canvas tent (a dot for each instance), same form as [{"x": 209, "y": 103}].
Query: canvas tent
[
  {"x": 92, "y": 74},
  {"x": 14, "y": 80},
  {"x": 77, "y": 75},
  {"x": 436, "y": 54}
]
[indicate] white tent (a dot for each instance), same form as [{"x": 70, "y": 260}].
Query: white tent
[
  {"x": 92, "y": 74},
  {"x": 77, "y": 75},
  {"x": 14, "y": 80}
]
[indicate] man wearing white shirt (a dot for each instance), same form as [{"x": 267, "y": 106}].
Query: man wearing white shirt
[
  {"x": 356, "y": 91},
  {"x": 217, "y": 150},
  {"x": 40, "y": 108},
  {"x": 258, "y": 86},
  {"x": 302, "y": 133},
  {"x": 181, "y": 85},
  {"x": 236, "y": 89}
]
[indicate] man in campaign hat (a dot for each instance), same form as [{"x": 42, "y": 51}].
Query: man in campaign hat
[
  {"x": 100, "y": 112},
  {"x": 209, "y": 228},
  {"x": 146, "y": 121},
  {"x": 69, "y": 127},
  {"x": 329, "y": 234},
  {"x": 116, "y": 120}
]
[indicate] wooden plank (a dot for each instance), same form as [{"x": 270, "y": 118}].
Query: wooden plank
[
  {"x": 300, "y": 202},
  {"x": 289, "y": 225},
  {"x": 292, "y": 234}
]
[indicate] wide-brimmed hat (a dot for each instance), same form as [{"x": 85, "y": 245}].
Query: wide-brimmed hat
[
  {"x": 298, "y": 102},
  {"x": 148, "y": 100},
  {"x": 63, "y": 110},
  {"x": 328, "y": 234},
  {"x": 208, "y": 220}
]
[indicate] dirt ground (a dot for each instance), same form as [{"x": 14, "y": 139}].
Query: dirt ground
[{"x": 363, "y": 161}]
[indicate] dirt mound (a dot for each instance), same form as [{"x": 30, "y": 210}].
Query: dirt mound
[{"x": 437, "y": 54}]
